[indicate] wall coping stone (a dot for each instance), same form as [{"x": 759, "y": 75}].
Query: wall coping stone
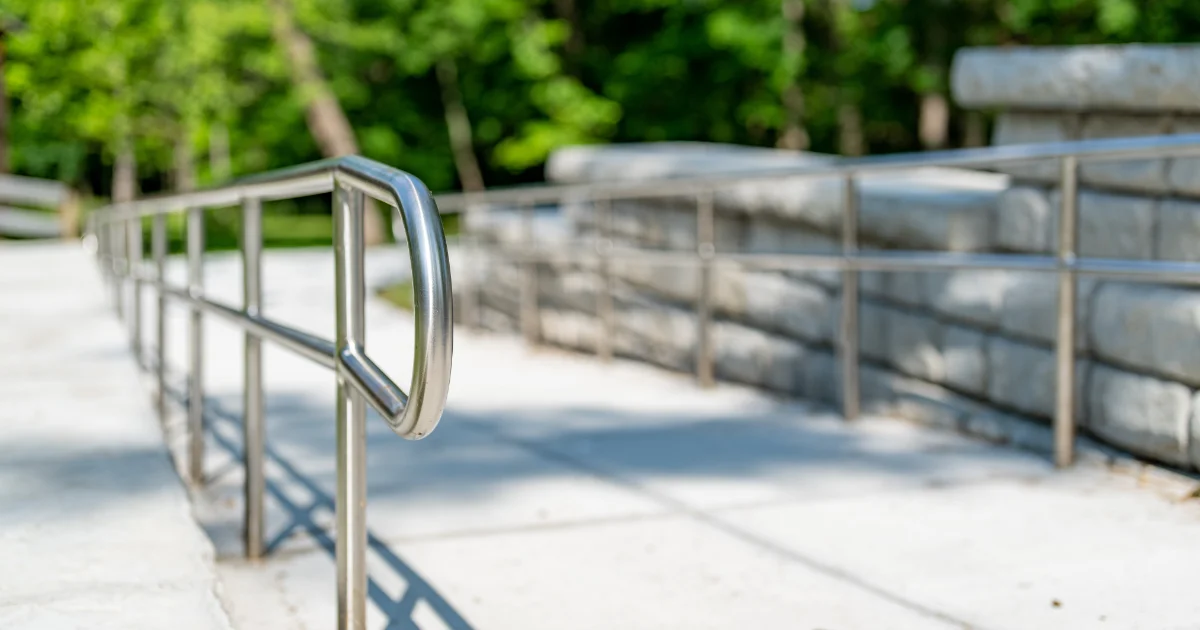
[{"x": 1133, "y": 78}]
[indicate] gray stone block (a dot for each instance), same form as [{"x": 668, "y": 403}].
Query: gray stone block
[
  {"x": 906, "y": 287},
  {"x": 1116, "y": 226},
  {"x": 1033, "y": 128},
  {"x": 656, "y": 333},
  {"x": 1178, "y": 235},
  {"x": 782, "y": 304},
  {"x": 914, "y": 345},
  {"x": 1154, "y": 328},
  {"x": 1194, "y": 432},
  {"x": 872, "y": 327},
  {"x": 1022, "y": 377},
  {"x": 1133, "y": 77},
  {"x": 1025, "y": 220},
  {"x": 1148, "y": 176},
  {"x": 820, "y": 379},
  {"x": 766, "y": 235},
  {"x": 814, "y": 202},
  {"x": 940, "y": 219},
  {"x": 1030, "y": 308},
  {"x": 1141, "y": 413},
  {"x": 964, "y": 352},
  {"x": 1183, "y": 173},
  {"x": 968, "y": 295},
  {"x": 570, "y": 329}
]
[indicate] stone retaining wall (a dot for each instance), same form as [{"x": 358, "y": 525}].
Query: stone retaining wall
[{"x": 966, "y": 349}]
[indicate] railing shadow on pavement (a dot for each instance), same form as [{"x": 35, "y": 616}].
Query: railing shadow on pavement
[{"x": 223, "y": 423}]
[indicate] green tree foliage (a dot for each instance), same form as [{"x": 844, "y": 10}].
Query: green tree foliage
[{"x": 444, "y": 88}]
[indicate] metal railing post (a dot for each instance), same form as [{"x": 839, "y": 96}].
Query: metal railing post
[
  {"x": 252, "y": 391},
  {"x": 473, "y": 263},
  {"x": 529, "y": 314},
  {"x": 1064, "y": 407},
  {"x": 605, "y": 310},
  {"x": 118, "y": 267},
  {"x": 195, "y": 404},
  {"x": 158, "y": 249},
  {"x": 706, "y": 229},
  {"x": 848, "y": 349},
  {"x": 351, "y": 413},
  {"x": 134, "y": 232}
]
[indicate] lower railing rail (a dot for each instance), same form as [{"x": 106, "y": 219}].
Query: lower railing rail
[{"x": 116, "y": 234}]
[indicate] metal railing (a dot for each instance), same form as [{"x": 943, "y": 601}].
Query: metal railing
[
  {"x": 116, "y": 233},
  {"x": 1066, "y": 263}
]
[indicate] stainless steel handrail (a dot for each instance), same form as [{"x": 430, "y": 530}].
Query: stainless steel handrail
[
  {"x": 116, "y": 233},
  {"x": 1182, "y": 145},
  {"x": 702, "y": 190}
]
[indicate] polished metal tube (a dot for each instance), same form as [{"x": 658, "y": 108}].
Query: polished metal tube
[
  {"x": 529, "y": 314},
  {"x": 134, "y": 232},
  {"x": 605, "y": 309},
  {"x": 195, "y": 404},
  {"x": 351, "y": 413},
  {"x": 119, "y": 270},
  {"x": 848, "y": 348},
  {"x": 474, "y": 264},
  {"x": 1181, "y": 145},
  {"x": 315, "y": 349},
  {"x": 1064, "y": 407},
  {"x": 158, "y": 249},
  {"x": 254, "y": 433},
  {"x": 706, "y": 228}
]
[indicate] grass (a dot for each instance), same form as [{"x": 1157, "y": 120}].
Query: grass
[{"x": 399, "y": 294}]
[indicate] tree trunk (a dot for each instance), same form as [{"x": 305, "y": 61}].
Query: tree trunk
[
  {"x": 326, "y": 120},
  {"x": 934, "y": 124},
  {"x": 793, "y": 136},
  {"x": 124, "y": 184},
  {"x": 851, "y": 139},
  {"x": 218, "y": 153},
  {"x": 183, "y": 174},
  {"x": 567, "y": 12},
  {"x": 4, "y": 165},
  {"x": 459, "y": 126}
]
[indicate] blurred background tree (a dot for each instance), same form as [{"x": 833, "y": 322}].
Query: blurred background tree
[{"x": 122, "y": 96}]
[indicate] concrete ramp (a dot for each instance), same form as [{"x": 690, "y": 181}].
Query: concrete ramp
[{"x": 95, "y": 526}]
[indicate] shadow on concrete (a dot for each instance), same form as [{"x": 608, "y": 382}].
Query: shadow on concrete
[{"x": 399, "y": 611}]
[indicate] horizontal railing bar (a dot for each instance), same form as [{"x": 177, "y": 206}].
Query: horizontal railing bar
[
  {"x": 389, "y": 400},
  {"x": 1135, "y": 270},
  {"x": 318, "y": 350},
  {"x": 1182, "y": 145}
]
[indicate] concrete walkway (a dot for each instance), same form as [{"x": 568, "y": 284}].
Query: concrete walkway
[
  {"x": 95, "y": 527},
  {"x": 563, "y": 493}
]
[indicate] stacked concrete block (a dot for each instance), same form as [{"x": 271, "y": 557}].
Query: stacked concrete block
[{"x": 971, "y": 350}]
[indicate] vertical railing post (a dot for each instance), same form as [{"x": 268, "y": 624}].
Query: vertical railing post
[
  {"x": 605, "y": 309},
  {"x": 252, "y": 391},
  {"x": 1064, "y": 407},
  {"x": 848, "y": 348},
  {"x": 472, "y": 264},
  {"x": 158, "y": 249},
  {"x": 134, "y": 232},
  {"x": 530, "y": 316},
  {"x": 116, "y": 228},
  {"x": 706, "y": 228},
  {"x": 195, "y": 404},
  {"x": 351, "y": 415}
]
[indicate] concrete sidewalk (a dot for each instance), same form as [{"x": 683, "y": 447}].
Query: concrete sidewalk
[
  {"x": 95, "y": 527},
  {"x": 563, "y": 493}
]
